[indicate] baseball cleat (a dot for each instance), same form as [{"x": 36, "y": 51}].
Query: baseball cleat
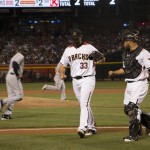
[
  {"x": 44, "y": 87},
  {"x": 130, "y": 139},
  {"x": 5, "y": 117},
  {"x": 90, "y": 132},
  {"x": 64, "y": 99},
  {"x": 81, "y": 133}
]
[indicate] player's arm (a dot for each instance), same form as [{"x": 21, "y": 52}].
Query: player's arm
[
  {"x": 62, "y": 70},
  {"x": 97, "y": 56},
  {"x": 146, "y": 59},
  {"x": 116, "y": 72},
  {"x": 15, "y": 66}
]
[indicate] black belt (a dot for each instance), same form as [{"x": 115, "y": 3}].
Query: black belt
[
  {"x": 137, "y": 80},
  {"x": 80, "y": 77},
  {"x": 12, "y": 73}
]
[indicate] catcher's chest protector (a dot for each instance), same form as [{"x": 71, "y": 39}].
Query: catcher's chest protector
[{"x": 132, "y": 67}]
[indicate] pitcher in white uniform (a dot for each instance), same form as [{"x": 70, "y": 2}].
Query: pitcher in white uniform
[
  {"x": 83, "y": 79},
  {"x": 13, "y": 84},
  {"x": 59, "y": 84}
]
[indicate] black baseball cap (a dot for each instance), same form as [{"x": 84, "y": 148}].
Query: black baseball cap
[{"x": 77, "y": 32}]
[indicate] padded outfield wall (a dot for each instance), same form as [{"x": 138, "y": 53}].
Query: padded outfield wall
[{"x": 46, "y": 72}]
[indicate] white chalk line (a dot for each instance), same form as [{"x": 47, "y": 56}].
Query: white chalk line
[{"x": 61, "y": 128}]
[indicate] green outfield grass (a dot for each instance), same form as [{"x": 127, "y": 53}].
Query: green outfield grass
[
  {"x": 101, "y": 141},
  {"x": 107, "y": 109}
]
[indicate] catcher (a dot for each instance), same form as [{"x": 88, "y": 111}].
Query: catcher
[{"x": 136, "y": 62}]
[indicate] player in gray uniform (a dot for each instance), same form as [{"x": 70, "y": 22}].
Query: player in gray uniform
[
  {"x": 80, "y": 56},
  {"x": 13, "y": 84},
  {"x": 59, "y": 84},
  {"x": 136, "y": 62}
]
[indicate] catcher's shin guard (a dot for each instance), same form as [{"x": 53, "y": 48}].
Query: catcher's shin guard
[{"x": 134, "y": 128}]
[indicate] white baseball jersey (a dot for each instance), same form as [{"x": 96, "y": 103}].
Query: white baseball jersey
[
  {"x": 19, "y": 58},
  {"x": 136, "y": 91},
  {"x": 144, "y": 60},
  {"x": 81, "y": 66},
  {"x": 78, "y": 60}
]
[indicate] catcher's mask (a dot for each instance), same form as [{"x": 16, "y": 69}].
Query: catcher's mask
[
  {"x": 77, "y": 37},
  {"x": 128, "y": 35}
]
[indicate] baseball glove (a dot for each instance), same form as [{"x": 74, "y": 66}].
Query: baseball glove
[{"x": 96, "y": 56}]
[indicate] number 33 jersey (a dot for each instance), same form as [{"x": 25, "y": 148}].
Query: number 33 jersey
[{"x": 78, "y": 59}]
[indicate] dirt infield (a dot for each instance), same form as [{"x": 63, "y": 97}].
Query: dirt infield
[
  {"x": 57, "y": 130},
  {"x": 34, "y": 102}
]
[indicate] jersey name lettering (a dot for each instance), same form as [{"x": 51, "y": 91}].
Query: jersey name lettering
[{"x": 78, "y": 56}]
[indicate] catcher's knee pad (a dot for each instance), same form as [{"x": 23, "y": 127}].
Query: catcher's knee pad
[{"x": 131, "y": 110}]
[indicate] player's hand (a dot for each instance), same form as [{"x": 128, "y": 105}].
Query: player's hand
[
  {"x": 62, "y": 76},
  {"x": 65, "y": 76},
  {"x": 110, "y": 73}
]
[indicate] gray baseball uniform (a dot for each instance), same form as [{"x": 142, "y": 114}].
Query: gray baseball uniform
[
  {"x": 13, "y": 84},
  {"x": 59, "y": 84}
]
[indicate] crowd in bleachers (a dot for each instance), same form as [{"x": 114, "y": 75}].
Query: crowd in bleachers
[
  {"x": 42, "y": 48},
  {"x": 47, "y": 47}
]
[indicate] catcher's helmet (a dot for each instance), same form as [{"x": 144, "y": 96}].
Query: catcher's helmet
[{"x": 128, "y": 35}]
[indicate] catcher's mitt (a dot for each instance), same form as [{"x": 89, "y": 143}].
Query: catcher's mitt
[{"x": 96, "y": 56}]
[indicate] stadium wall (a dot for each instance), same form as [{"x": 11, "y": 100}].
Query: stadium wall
[{"x": 46, "y": 72}]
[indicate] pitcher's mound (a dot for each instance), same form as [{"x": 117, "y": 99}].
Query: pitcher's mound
[{"x": 30, "y": 102}]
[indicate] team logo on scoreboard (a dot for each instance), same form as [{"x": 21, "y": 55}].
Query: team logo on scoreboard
[
  {"x": 2, "y": 2},
  {"x": 28, "y": 3},
  {"x": 54, "y": 3},
  {"x": 9, "y": 2}
]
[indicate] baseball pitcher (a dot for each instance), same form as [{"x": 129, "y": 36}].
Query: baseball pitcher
[{"x": 81, "y": 56}]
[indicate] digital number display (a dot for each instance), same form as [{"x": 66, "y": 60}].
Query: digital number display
[{"x": 50, "y": 3}]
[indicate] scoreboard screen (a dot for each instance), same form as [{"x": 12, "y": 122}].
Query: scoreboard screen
[{"x": 51, "y": 3}]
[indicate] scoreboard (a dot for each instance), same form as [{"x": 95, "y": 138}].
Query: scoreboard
[{"x": 51, "y": 3}]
